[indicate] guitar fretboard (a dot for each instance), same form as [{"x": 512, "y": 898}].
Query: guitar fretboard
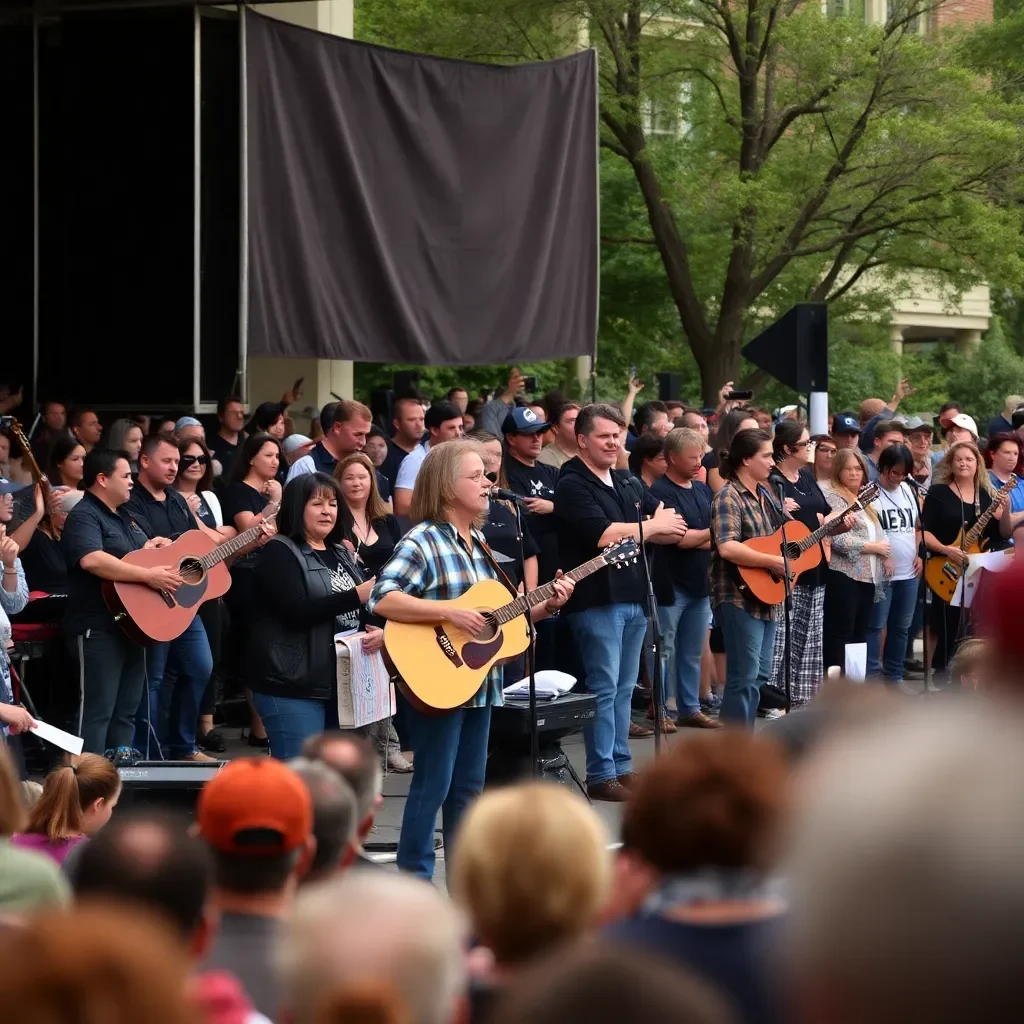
[
  {"x": 512, "y": 610},
  {"x": 975, "y": 531},
  {"x": 230, "y": 547}
]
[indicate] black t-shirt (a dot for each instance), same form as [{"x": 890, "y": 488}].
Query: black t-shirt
[
  {"x": 224, "y": 452},
  {"x": 393, "y": 459},
  {"x": 168, "y": 518},
  {"x": 91, "y": 526},
  {"x": 499, "y": 531},
  {"x": 943, "y": 515},
  {"x": 44, "y": 564},
  {"x": 585, "y": 507},
  {"x": 342, "y": 579},
  {"x": 376, "y": 555},
  {"x": 710, "y": 460},
  {"x": 687, "y": 568},
  {"x": 240, "y": 497},
  {"x": 807, "y": 494},
  {"x": 537, "y": 482}
]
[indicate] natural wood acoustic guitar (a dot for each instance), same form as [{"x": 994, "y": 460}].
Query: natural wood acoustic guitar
[
  {"x": 147, "y": 615},
  {"x": 944, "y": 576},
  {"x": 802, "y": 547},
  {"x": 441, "y": 667}
]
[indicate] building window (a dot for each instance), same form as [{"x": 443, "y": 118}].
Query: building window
[{"x": 669, "y": 114}]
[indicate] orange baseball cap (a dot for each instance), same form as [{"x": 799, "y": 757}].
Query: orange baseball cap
[{"x": 256, "y": 806}]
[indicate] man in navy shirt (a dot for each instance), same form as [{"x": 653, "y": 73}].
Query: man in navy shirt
[
  {"x": 98, "y": 533},
  {"x": 178, "y": 671}
]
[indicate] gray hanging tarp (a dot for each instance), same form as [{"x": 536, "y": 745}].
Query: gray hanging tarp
[{"x": 415, "y": 209}]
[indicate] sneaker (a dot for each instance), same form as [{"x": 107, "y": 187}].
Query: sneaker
[
  {"x": 397, "y": 762},
  {"x": 910, "y": 689},
  {"x": 122, "y": 757},
  {"x": 712, "y": 703},
  {"x": 772, "y": 713}
]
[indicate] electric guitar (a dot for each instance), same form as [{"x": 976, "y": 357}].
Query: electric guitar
[
  {"x": 944, "y": 576},
  {"x": 440, "y": 667},
  {"x": 802, "y": 546},
  {"x": 147, "y": 615}
]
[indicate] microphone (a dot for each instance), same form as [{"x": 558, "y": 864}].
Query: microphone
[{"x": 505, "y": 495}]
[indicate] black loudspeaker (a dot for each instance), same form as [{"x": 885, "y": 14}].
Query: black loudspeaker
[
  {"x": 670, "y": 387},
  {"x": 794, "y": 350},
  {"x": 406, "y": 381},
  {"x": 380, "y": 406}
]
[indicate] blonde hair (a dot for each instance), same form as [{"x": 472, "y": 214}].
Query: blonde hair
[
  {"x": 375, "y": 507},
  {"x": 434, "y": 492},
  {"x": 944, "y": 470},
  {"x": 681, "y": 438},
  {"x": 12, "y": 799},
  {"x": 843, "y": 456},
  {"x": 68, "y": 791},
  {"x": 532, "y": 869}
]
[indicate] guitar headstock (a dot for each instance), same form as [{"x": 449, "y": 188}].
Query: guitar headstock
[
  {"x": 867, "y": 494},
  {"x": 270, "y": 511},
  {"x": 622, "y": 553}
]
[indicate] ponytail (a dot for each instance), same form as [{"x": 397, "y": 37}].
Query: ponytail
[
  {"x": 68, "y": 791},
  {"x": 362, "y": 1004},
  {"x": 745, "y": 445}
]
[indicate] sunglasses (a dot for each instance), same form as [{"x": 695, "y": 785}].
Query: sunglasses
[{"x": 188, "y": 460}]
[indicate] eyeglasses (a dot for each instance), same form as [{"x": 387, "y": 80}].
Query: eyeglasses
[
  {"x": 188, "y": 460},
  {"x": 801, "y": 444},
  {"x": 824, "y": 449}
]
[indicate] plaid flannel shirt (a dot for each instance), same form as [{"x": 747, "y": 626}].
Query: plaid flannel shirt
[
  {"x": 736, "y": 514},
  {"x": 431, "y": 561}
]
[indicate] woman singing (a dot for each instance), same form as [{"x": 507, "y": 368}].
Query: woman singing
[
  {"x": 960, "y": 492},
  {"x": 806, "y": 504},
  {"x": 742, "y": 509},
  {"x": 307, "y": 588},
  {"x": 856, "y": 574}
]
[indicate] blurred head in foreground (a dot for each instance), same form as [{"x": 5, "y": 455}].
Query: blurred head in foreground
[{"x": 907, "y": 882}]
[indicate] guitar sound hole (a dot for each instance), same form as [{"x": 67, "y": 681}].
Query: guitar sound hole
[
  {"x": 793, "y": 552},
  {"x": 490, "y": 629},
  {"x": 191, "y": 570}
]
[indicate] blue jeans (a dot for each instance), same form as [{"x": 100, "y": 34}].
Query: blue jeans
[
  {"x": 451, "y": 763},
  {"x": 684, "y": 628},
  {"x": 749, "y": 644},
  {"x": 894, "y": 613},
  {"x": 609, "y": 639},
  {"x": 290, "y": 721},
  {"x": 178, "y": 672}
]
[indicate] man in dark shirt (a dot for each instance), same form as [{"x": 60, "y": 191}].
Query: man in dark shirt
[
  {"x": 98, "y": 533},
  {"x": 407, "y": 413},
  {"x": 685, "y": 619},
  {"x": 179, "y": 670},
  {"x": 229, "y": 436},
  {"x": 595, "y": 508}
]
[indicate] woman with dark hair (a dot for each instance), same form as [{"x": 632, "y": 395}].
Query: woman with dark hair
[
  {"x": 742, "y": 509},
  {"x": 366, "y": 522},
  {"x": 194, "y": 482},
  {"x": 252, "y": 486},
  {"x": 806, "y": 503},
  {"x": 268, "y": 418},
  {"x": 125, "y": 435},
  {"x": 67, "y": 461},
  {"x": 731, "y": 424},
  {"x": 1004, "y": 456},
  {"x": 308, "y": 587}
]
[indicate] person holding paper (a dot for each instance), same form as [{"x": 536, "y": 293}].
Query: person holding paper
[
  {"x": 307, "y": 587},
  {"x": 13, "y": 598}
]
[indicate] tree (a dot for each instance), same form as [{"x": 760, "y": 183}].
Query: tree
[{"x": 778, "y": 154}]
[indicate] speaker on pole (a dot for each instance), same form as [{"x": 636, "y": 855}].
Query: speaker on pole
[
  {"x": 670, "y": 386},
  {"x": 794, "y": 350}
]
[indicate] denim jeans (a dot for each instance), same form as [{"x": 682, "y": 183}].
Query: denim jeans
[
  {"x": 684, "y": 628},
  {"x": 111, "y": 678},
  {"x": 894, "y": 613},
  {"x": 290, "y": 721},
  {"x": 451, "y": 763},
  {"x": 609, "y": 639},
  {"x": 178, "y": 672},
  {"x": 749, "y": 645}
]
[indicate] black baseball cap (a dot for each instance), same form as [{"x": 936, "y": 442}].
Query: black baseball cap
[
  {"x": 523, "y": 421},
  {"x": 845, "y": 423}
]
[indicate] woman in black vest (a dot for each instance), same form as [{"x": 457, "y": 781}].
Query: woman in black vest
[{"x": 308, "y": 587}]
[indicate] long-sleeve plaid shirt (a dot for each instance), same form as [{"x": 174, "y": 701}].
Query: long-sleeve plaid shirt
[
  {"x": 738, "y": 515},
  {"x": 432, "y": 562}
]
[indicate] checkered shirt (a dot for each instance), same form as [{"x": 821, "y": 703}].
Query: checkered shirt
[{"x": 432, "y": 562}]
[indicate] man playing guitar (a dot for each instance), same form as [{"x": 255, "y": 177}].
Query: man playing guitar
[{"x": 436, "y": 562}]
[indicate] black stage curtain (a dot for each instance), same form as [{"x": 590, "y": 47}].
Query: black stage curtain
[{"x": 416, "y": 209}]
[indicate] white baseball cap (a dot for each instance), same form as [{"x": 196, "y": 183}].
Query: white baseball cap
[{"x": 962, "y": 420}]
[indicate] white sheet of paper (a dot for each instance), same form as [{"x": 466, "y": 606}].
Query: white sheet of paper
[
  {"x": 856, "y": 662},
  {"x": 58, "y": 737},
  {"x": 994, "y": 561}
]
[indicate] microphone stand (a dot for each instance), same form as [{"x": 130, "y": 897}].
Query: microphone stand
[
  {"x": 922, "y": 590},
  {"x": 788, "y": 603},
  {"x": 652, "y": 617},
  {"x": 530, "y": 650}
]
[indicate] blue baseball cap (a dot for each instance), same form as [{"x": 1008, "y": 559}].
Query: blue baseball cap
[
  {"x": 9, "y": 486},
  {"x": 845, "y": 423},
  {"x": 187, "y": 421},
  {"x": 523, "y": 421}
]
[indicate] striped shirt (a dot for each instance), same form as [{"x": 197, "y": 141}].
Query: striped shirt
[{"x": 432, "y": 562}]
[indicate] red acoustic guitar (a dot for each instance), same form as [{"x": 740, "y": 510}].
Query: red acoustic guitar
[
  {"x": 147, "y": 615},
  {"x": 802, "y": 547}
]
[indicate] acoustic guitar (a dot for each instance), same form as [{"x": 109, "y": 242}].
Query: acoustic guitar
[
  {"x": 441, "y": 667},
  {"x": 802, "y": 547},
  {"x": 38, "y": 476},
  {"x": 147, "y": 615},
  {"x": 944, "y": 576}
]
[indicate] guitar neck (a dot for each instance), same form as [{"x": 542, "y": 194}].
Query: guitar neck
[
  {"x": 230, "y": 547},
  {"x": 975, "y": 531},
  {"x": 826, "y": 528},
  {"x": 512, "y": 610}
]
